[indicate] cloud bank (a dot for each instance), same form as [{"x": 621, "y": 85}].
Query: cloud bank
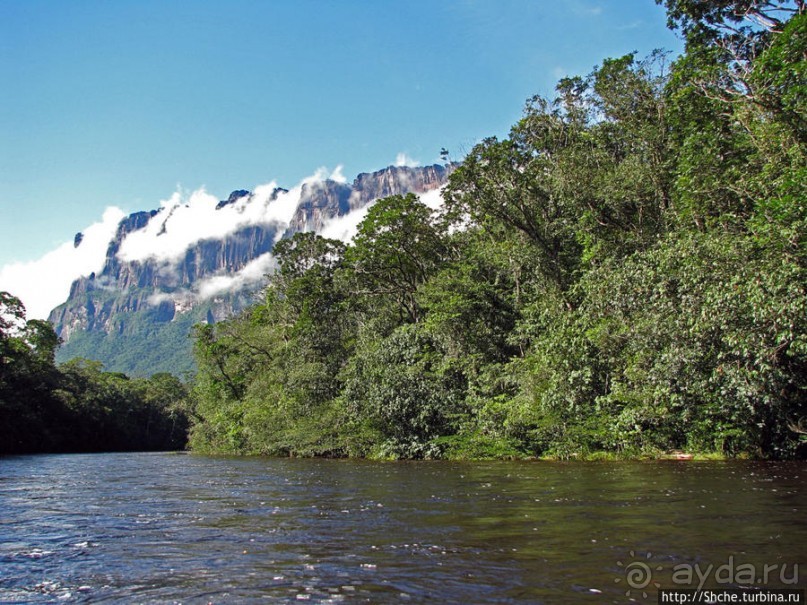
[
  {"x": 252, "y": 273},
  {"x": 186, "y": 219},
  {"x": 45, "y": 283}
]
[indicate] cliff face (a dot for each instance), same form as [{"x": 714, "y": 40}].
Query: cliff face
[
  {"x": 128, "y": 287},
  {"x": 396, "y": 180},
  {"x": 139, "y": 299},
  {"x": 324, "y": 201}
]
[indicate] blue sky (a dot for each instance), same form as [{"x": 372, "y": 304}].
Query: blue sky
[{"x": 117, "y": 103}]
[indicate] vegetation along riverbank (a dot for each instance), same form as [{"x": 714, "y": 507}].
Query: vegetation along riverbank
[{"x": 624, "y": 273}]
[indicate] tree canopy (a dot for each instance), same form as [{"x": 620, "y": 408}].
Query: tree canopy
[
  {"x": 623, "y": 273},
  {"x": 77, "y": 407}
]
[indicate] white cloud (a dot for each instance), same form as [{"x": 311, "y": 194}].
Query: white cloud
[
  {"x": 161, "y": 297},
  {"x": 345, "y": 227},
  {"x": 404, "y": 160},
  {"x": 587, "y": 10},
  {"x": 433, "y": 199},
  {"x": 253, "y": 272},
  {"x": 45, "y": 283},
  {"x": 337, "y": 175},
  {"x": 184, "y": 220},
  {"x": 628, "y": 25}
]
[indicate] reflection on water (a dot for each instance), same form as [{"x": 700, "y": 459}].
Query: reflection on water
[{"x": 170, "y": 528}]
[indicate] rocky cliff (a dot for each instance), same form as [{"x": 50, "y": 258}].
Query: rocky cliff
[{"x": 135, "y": 315}]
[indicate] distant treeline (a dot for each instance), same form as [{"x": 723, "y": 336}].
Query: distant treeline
[
  {"x": 624, "y": 273},
  {"x": 77, "y": 407}
]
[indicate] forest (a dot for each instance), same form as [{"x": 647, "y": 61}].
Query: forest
[
  {"x": 77, "y": 407},
  {"x": 622, "y": 275}
]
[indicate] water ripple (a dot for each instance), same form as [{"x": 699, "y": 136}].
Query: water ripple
[{"x": 166, "y": 528}]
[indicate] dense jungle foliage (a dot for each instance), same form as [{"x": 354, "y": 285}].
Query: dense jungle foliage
[
  {"x": 77, "y": 407},
  {"x": 624, "y": 273}
]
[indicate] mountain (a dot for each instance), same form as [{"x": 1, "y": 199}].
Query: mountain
[{"x": 202, "y": 260}]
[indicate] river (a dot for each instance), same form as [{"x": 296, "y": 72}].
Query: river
[{"x": 177, "y": 528}]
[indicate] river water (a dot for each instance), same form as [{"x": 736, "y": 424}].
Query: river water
[{"x": 176, "y": 528}]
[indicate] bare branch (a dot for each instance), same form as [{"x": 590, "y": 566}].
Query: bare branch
[{"x": 798, "y": 427}]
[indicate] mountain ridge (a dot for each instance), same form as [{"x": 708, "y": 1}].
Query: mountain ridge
[{"x": 147, "y": 304}]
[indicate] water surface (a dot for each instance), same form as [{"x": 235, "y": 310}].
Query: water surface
[{"x": 173, "y": 528}]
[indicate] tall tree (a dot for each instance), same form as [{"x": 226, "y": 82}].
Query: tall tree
[{"x": 398, "y": 246}]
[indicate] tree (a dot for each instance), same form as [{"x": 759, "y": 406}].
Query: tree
[
  {"x": 304, "y": 252},
  {"x": 397, "y": 389},
  {"x": 732, "y": 35},
  {"x": 397, "y": 247},
  {"x": 727, "y": 17},
  {"x": 580, "y": 177}
]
